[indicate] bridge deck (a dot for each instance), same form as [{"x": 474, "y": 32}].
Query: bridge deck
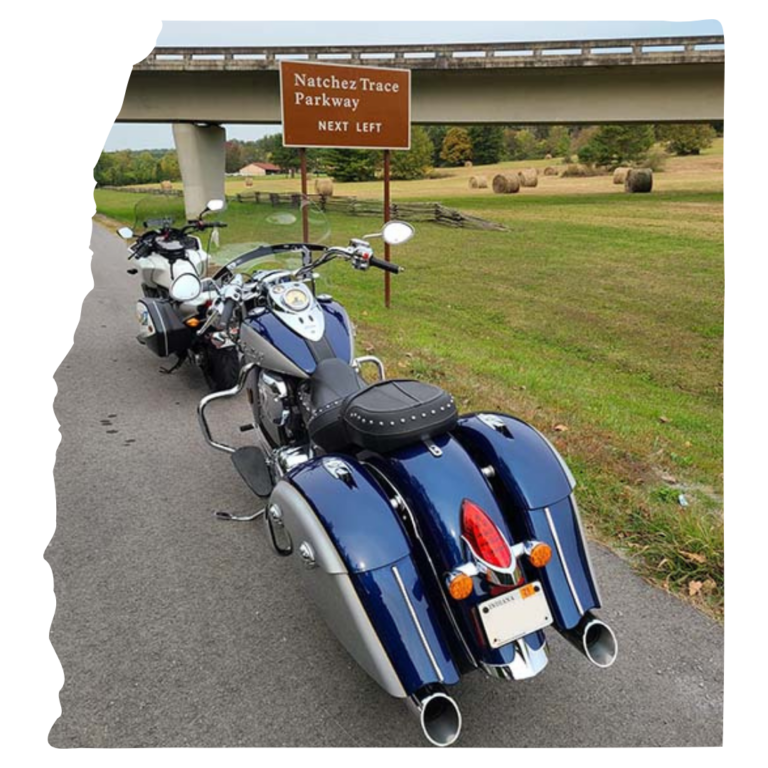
[{"x": 465, "y": 56}]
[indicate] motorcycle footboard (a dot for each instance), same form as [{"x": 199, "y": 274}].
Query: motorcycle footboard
[{"x": 535, "y": 490}]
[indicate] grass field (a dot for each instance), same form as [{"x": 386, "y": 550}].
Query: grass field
[
  {"x": 598, "y": 317},
  {"x": 703, "y": 173}
]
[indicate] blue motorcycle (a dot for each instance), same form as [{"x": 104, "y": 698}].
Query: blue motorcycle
[{"x": 434, "y": 543}]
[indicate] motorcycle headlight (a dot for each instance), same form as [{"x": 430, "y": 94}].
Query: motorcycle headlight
[{"x": 186, "y": 287}]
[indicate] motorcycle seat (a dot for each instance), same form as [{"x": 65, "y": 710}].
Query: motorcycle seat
[{"x": 380, "y": 417}]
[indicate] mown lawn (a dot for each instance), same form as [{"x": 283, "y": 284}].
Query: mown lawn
[{"x": 596, "y": 317}]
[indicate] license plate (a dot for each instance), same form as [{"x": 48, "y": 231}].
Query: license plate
[{"x": 515, "y": 614}]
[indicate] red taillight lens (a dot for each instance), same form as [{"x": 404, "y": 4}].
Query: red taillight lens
[{"x": 483, "y": 535}]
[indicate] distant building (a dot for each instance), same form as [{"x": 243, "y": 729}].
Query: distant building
[{"x": 259, "y": 169}]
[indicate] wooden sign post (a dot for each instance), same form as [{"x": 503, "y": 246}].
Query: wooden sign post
[{"x": 335, "y": 105}]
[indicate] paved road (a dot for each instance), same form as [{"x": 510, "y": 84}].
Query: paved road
[{"x": 175, "y": 629}]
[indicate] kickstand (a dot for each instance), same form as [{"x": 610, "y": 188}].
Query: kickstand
[
  {"x": 174, "y": 367},
  {"x": 228, "y": 516}
]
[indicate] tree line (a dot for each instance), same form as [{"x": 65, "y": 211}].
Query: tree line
[{"x": 432, "y": 146}]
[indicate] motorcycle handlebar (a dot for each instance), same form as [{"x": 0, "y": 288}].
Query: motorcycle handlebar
[
  {"x": 226, "y": 313},
  {"x": 387, "y": 266}
]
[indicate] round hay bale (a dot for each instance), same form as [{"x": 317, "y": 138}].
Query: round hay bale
[
  {"x": 467, "y": 163},
  {"x": 248, "y": 181},
  {"x": 548, "y": 156},
  {"x": 550, "y": 171},
  {"x": 529, "y": 177},
  {"x": 478, "y": 182},
  {"x": 505, "y": 184},
  {"x": 639, "y": 180},
  {"x": 324, "y": 187},
  {"x": 166, "y": 186},
  {"x": 575, "y": 169},
  {"x": 620, "y": 175}
]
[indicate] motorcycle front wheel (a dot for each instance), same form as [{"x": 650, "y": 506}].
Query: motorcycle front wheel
[{"x": 221, "y": 368}]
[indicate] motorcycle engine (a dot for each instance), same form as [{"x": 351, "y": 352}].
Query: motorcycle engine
[
  {"x": 273, "y": 393},
  {"x": 274, "y": 397}
]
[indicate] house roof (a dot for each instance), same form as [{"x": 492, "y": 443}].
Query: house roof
[{"x": 264, "y": 166}]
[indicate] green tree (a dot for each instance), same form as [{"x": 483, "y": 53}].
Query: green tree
[
  {"x": 523, "y": 144},
  {"x": 169, "y": 167},
  {"x": 558, "y": 141},
  {"x": 146, "y": 168},
  {"x": 614, "y": 145},
  {"x": 287, "y": 158},
  {"x": 352, "y": 164},
  {"x": 436, "y": 135},
  {"x": 457, "y": 147},
  {"x": 487, "y": 143},
  {"x": 103, "y": 172},
  {"x": 417, "y": 161},
  {"x": 686, "y": 138},
  {"x": 234, "y": 156}
]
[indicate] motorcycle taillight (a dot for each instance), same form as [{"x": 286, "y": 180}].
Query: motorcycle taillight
[{"x": 483, "y": 535}]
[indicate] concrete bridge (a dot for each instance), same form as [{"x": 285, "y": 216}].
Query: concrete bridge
[{"x": 673, "y": 79}]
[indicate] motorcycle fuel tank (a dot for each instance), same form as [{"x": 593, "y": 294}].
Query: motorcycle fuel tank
[{"x": 271, "y": 343}]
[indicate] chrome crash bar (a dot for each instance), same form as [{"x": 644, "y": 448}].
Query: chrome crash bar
[{"x": 208, "y": 399}]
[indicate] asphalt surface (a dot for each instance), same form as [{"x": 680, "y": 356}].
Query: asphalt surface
[{"x": 175, "y": 629}]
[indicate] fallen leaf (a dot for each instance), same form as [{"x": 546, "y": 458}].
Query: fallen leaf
[
  {"x": 694, "y": 587},
  {"x": 402, "y": 364},
  {"x": 671, "y": 479},
  {"x": 369, "y": 347},
  {"x": 663, "y": 561},
  {"x": 688, "y": 443},
  {"x": 662, "y": 419},
  {"x": 693, "y": 557},
  {"x": 708, "y": 586},
  {"x": 560, "y": 428}
]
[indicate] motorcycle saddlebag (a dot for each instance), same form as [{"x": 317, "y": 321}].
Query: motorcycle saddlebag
[{"x": 161, "y": 328}]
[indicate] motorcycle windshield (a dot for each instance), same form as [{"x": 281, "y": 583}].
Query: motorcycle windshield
[
  {"x": 159, "y": 211},
  {"x": 267, "y": 233}
]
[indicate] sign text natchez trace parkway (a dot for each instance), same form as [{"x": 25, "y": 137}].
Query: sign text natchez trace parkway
[{"x": 334, "y": 105}]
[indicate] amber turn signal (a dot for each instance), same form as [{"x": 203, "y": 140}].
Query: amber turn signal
[
  {"x": 192, "y": 322},
  {"x": 459, "y": 585},
  {"x": 540, "y": 555}
]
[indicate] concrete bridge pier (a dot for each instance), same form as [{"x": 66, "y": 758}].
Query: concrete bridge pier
[{"x": 201, "y": 160}]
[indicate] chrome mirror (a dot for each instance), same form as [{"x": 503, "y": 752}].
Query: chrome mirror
[
  {"x": 125, "y": 232},
  {"x": 397, "y": 232},
  {"x": 214, "y": 205}
]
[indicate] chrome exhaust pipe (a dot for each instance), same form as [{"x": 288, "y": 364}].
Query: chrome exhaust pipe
[
  {"x": 438, "y": 713},
  {"x": 595, "y": 639}
]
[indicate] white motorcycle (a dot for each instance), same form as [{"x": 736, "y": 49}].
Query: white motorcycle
[{"x": 177, "y": 292}]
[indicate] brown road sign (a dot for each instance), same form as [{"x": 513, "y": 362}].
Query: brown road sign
[{"x": 333, "y": 105}]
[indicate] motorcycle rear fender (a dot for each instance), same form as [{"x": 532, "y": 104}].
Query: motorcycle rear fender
[
  {"x": 535, "y": 488},
  {"x": 433, "y": 482},
  {"x": 364, "y": 580}
]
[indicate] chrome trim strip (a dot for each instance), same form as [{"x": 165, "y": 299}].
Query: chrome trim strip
[
  {"x": 586, "y": 550},
  {"x": 559, "y": 548},
  {"x": 416, "y": 621},
  {"x": 406, "y": 510}
]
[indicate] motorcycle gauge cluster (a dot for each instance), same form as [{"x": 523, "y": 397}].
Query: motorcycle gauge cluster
[{"x": 294, "y": 297}]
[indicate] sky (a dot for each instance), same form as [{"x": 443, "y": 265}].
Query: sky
[{"x": 273, "y": 33}]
